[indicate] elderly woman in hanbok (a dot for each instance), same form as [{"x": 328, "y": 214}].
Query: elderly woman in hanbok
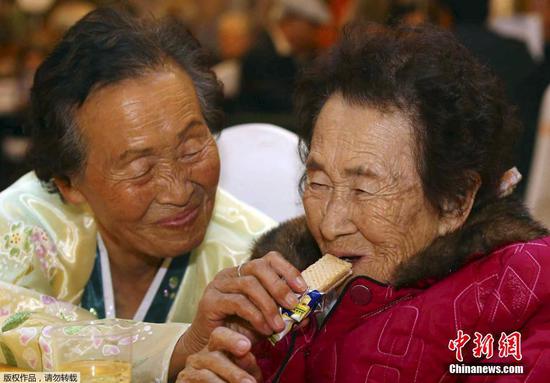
[{"x": 122, "y": 217}]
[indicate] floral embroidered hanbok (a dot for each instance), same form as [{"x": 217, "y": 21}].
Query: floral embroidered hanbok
[{"x": 50, "y": 268}]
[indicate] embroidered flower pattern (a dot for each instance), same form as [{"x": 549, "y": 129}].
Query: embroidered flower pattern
[
  {"x": 47, "y": 300},
  {"x": 46, "y": 348},
  {"x": 31, "y": 357},
  {"x": 23, "y": 242},
  {"x": 26, "y": 334}
]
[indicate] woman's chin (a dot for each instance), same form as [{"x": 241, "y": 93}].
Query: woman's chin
[{"x": 172, "y": 246}]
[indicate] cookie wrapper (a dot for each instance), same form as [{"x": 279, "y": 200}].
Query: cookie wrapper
[{"x": 306, "y": 305}]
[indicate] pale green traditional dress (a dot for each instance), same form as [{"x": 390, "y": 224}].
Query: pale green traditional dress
[{"x": 47, "y": 255}]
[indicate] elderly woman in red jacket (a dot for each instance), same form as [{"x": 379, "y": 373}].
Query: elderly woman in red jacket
[{"x": 406, "y": 143}]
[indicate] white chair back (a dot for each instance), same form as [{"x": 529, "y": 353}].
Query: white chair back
[{"x": 260, "y": 165}]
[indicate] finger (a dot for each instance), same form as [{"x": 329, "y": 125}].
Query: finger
[
  {"x": 249, "y": 364},
  {"x": 258, "y": 295},
  {"x": 244, "y": 328},
  {"x": 241, "y": 306},
  {"x": 287, "y": 270},
  {"x": 192, "y": 375},
  {"x": 271, "y": 279},
  {"x": 225, "y": 339},
  {"x": 220, "y": 364}
]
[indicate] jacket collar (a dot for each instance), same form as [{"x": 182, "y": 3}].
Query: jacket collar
[{"x": 494, "y": 225}]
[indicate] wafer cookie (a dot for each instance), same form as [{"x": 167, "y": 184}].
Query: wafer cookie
[
  {"x": 327, "y": 273},
  {"x": 321, "y": 277}
]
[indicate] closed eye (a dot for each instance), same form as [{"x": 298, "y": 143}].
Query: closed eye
[
  {"x": 190, "y": 154},
  {"x": 318, "y": 186},
  {"x": 191, "y": 150},
  {"x": 142, "y": 174},
  {"x": 361, "y": 191},
  {"x": 139, "y": 169}
]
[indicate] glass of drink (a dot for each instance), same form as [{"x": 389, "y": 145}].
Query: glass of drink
[{"x": 101, "y": 351}]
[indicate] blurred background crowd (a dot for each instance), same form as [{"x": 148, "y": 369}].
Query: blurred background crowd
[{"x": 259, "y": 46}]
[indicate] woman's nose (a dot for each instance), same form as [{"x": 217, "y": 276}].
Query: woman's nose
[
  {"x": 337, "y": 220},
  {"x": 174, "y": 189}
]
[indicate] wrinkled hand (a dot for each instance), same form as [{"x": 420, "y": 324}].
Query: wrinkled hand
[
  {"x": 253, "y": 296},
  {"x": 247, "y": 302},
  {"x": 226, "y": 358}
]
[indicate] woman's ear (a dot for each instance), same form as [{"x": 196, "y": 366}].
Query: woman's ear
[
  {"x": 455, "y": 213},
  {"x": 69, "y": 191}
]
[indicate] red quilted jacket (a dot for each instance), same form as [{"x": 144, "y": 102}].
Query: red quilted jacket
[{"x": 376, "y": 333}]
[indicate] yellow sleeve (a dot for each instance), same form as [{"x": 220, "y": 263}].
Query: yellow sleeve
[
  {"x": 27, "y": 318},
  {"x": 47, "y": 250}
]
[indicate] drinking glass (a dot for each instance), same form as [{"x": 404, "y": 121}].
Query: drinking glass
[{"x": 100, "y": 350}]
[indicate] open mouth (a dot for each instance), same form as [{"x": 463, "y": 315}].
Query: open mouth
[{"x": 351, "y": 258}]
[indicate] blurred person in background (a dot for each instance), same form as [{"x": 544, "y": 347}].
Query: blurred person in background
[
  {"x": 235, "y": 36},
  {"x": 511, "y": 62},
  {"x": 540, "y": 79},
  {"x": 410, "y": 12},
  {"x": 31, "y": 32},
  {"x": 12, "y": 96},
  {"x": 65, "y": 14},
  {"x": 205, "y": 21},
  {"x": 344, "y": 11},
  {"x": 14, "y": 141},
  {"x": 538, "y": 195},
  {"x": 416, "y": 12},
  {"x": 269, "y": 69},
  {"x": 10, "y": 91},
  {"x": 368, "y": 10}
]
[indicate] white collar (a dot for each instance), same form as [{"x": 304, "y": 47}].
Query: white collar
[{"x": 107, "y": 282}]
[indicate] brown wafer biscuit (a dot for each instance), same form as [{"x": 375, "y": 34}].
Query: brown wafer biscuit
[{"x": 327, "y": 273}]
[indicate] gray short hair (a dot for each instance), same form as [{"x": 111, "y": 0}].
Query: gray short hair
[{"x": 106, "y": 46}]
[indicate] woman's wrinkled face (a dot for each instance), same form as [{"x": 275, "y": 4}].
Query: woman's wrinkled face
[
  {"x": 363, "y": 195},
  {"x": 152, "y": 164}
]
